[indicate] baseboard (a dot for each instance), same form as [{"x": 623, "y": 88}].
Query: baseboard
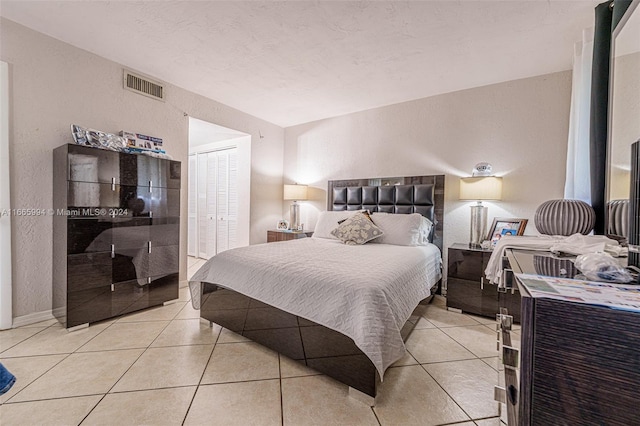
[{"x": 32, "y": 318}]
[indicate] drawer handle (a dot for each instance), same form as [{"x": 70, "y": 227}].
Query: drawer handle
[
  {"x": 113, "y": 184},
  {"x": 113, "y": 251},
  {"x": 510, "y": 356},
  {"x": 507, "y": 280},
  {"x": 512, "y": 393},
  {"x": 506, "y": 321},
  {"x": 501, "y": 394}
]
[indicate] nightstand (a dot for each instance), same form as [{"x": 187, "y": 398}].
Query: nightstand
[
  {"x": 468, "y": 290},
  {"x": 274, "y": 235}
]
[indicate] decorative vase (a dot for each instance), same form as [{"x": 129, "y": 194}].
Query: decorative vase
[
  {"x": 554, "y": 267},
  {"x": 617, "y": 218},
  {"x": 564, "y": 217}
]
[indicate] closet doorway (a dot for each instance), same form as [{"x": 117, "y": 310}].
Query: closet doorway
[{"x": 219, "y": 190}]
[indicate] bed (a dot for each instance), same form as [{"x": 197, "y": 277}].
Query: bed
[{"x": 341, "y": 309}]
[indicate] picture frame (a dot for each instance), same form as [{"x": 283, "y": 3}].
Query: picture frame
[
  {"x": 282, "y": 225},
  {"x": 502, "y": 226}
]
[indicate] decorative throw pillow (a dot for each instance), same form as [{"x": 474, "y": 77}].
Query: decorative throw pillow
[
  {"x": 358, "y": 229},
  {"x": 364, "y": 212},
  {"x": 328, "y": 221}
]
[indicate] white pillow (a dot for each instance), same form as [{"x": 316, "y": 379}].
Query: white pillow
[
  {"x": 402, "y": 229},
  {"x": 328, "y": 221}
]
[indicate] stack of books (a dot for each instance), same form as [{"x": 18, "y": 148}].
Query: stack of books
[{"x": 139, "y": 143}]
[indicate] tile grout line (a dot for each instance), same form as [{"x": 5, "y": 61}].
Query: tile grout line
[
  {"x": 218, "y": 337},
  {"x": 469, "y": 359},
  {"x": 28, "y": 384},
  {"x": 280, "y": 381},
  {"x": 93, "y": 408},
  {"x": 202, "y": 375},
  {"x": 374, "y": 414},
  {"x": 133, "y": 363},
  {"x": 125, "y": 372},
  {"x": 52, "y": 367},
  {"x": 449, "y": 395},
  {"x": 27, "y": 338}
]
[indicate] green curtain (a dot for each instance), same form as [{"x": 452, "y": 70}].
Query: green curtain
[
  {"x": 599, "y": 110},
  {"x": 619, "y": 8},
  {"x": 608, "y": 15}
]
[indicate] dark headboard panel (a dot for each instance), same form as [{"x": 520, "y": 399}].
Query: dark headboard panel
[{"x": 403, "y": 195}]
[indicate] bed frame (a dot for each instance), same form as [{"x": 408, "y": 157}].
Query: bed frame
[{"x": 319, "y": 347}]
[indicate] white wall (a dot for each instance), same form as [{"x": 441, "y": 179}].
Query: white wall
[
  {"x": 520, "y": 127},
  {"x": 625, "y": 123},
  {"x": 55, "y": 85}
]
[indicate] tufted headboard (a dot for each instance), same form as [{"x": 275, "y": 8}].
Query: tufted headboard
[{"x": 402, "y": 195}]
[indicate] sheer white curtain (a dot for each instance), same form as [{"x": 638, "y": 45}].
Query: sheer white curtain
[{"x": 578, "y": 183}]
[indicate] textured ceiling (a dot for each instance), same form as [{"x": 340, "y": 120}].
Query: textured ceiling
[{"x": 294, "y": 62}]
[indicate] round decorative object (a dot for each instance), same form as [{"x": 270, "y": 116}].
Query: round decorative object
[
  {"x": 553, "y": 267},
  {"x": 482, "y": 169},
  {"x": 564, "y": 217},
  {"x": 617, "y": 217}
]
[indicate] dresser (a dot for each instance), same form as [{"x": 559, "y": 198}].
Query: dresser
[
  {"x": 116, "y": 227},
  {"x": 579, "y": 362},
  {"x": 469, "y": 291}
]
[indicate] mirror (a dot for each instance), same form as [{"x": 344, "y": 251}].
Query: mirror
[{"x": 624, "y": 116}]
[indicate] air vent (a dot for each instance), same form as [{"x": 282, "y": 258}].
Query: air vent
[{"x": 143, "y": 85}]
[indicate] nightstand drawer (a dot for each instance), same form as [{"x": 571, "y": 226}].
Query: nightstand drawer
[
  {"x": 277, "y": 235},
  {"x": 471, "y": 297},
  {"x": 467, "y": 264}
]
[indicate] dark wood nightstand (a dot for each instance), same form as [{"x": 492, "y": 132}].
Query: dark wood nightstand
[
  {"x": 274, "y": 235},
  {"x": 469, "y": 290}
]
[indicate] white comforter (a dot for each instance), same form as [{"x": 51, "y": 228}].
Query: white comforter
[{"x": 365, "y": 292}]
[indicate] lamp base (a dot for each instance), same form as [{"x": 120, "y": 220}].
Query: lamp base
[
  {"x": 478, "y": 225},
  {"x": 294, "y": 216}
]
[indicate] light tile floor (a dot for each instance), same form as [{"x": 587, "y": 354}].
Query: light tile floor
[{"x": 165, "y": 366}]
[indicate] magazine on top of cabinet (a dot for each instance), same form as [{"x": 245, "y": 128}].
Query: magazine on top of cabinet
[{"x": 617, "y": 296}]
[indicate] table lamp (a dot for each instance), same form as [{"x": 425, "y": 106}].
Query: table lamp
[
  {"x": 295, "y": 193},
  {"x": 479, "y": 188}
]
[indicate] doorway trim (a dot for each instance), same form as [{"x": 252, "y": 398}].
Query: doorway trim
[
  {"x": 242, "y": 142},
  {"x": 6, "y": 309}
]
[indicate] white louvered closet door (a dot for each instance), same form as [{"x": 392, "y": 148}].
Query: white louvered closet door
[
  {"x": 217, "y": 202},
  {"x": 192, "y": 210},
  {"x": 211, "y": 216},
  {"x": 227, "y": 199},
  {"x": 202, "y": 206},
  {"x": 232, "y": 217}
]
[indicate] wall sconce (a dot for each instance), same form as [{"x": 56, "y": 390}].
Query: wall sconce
[
  {"x": 295, "y": 193},
  {"x": 479, "y": 188}
]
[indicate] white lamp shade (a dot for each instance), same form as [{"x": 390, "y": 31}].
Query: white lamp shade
[
  {"x": 481, "y": 188},
  {"x": 295, "y": 192}
]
